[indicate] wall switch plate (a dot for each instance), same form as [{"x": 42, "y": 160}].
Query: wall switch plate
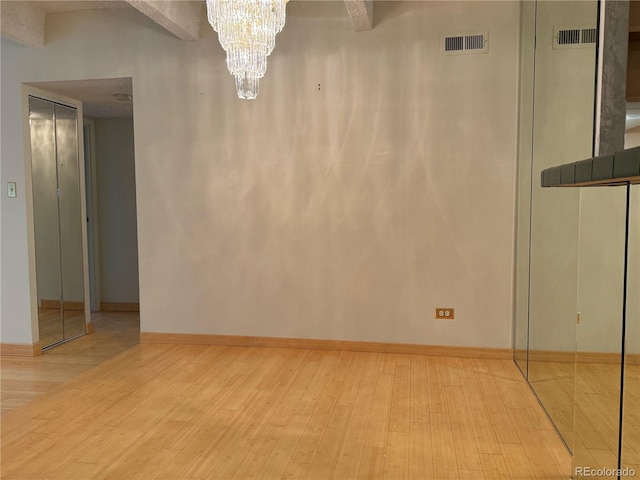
[
  {"x": 11, "y": 189},
  {"x": 444, "y": 313}
]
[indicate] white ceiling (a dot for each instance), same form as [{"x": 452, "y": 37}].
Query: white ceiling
[
  {"x": 97, "y": 95},
  {"x": 23, "y": 21},
  {"x": 49, "y": 6}
]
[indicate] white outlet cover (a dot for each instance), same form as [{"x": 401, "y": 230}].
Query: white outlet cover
[{"x": 11, "y": 189}]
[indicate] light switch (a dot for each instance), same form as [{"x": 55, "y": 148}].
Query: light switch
[{"x": 11, "y": 189}]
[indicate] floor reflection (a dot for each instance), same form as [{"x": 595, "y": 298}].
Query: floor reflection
[
  {"x": 597, "y": 406},
  {"x": 631, "y": 415},
  {"x": 50, "y": 325},
  {"x": 554, "y": 384}
]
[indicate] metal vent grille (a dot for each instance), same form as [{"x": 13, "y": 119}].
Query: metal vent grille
[
  {"x": 474, "y": 42},
  {"x": 453, "y": 44},
  {"x": 568, "y": 37},
  {"x": 589, "y": 35},
  {"x": 579, "y": 36},
  {"x": 464, "y": 43}
]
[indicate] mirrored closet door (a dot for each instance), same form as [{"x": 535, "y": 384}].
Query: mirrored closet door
[{"x": 57, "y": 220}]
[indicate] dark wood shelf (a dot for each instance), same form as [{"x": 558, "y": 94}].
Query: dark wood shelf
[{"x": 618, "y": 168}]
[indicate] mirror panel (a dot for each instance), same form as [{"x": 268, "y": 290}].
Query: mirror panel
[
  {"x": 563, "y": 121},
  {"x": 45, "y": 216},
  {"x": 523, "y": 199},
  {"x": 601, "y": 275},
  {"x": 70, "y": 220},
  {"x": 57, "y": 220},
  {"x": 631, "y": 407}
]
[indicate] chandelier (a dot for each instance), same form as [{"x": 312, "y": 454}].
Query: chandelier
[{"x": 247, "y": 31}]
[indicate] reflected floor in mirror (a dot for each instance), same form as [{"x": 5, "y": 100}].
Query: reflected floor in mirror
[
  {"x": 26, "y": 378},
  {"x": 554, "y": 384},
  {"x": 597, "y": 416},
  {"x": 597, "y": 393},
  {"x": 50, "y": 325},
  {"x": 631, "y": 418}
]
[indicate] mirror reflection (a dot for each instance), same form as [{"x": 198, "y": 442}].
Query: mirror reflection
[
  {"x": 577, "y": 251},
  {"x": 523, "y": 199},
  {"x": 630, "y": 452},
  {"x": 601, "y": 276},
  {"x": 561, "y": 131},
  {"x": 57, "y": 220}
]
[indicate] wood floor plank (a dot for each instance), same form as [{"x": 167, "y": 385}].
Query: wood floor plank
[
  {"x": 371, "y": 463},
  {"x": 348, "y": 463},
  {"x": 379, "y": 419},
  {"x": 420, "y": 451}
]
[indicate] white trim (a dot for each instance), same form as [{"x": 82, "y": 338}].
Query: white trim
[{"x": 94, "y": 274}]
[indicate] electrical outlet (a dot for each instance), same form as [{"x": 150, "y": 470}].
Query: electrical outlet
[
  {"x": 444, "y": 313},
  {"x": 11, "y": 189}
]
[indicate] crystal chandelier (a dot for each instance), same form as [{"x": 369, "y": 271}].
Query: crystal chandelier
[{"x": 247, "y": 31}]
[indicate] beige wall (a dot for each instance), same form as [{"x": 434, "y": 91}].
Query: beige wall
[
  {"x": 116, "y": 194},
  {"x": 346, "y": 212}
]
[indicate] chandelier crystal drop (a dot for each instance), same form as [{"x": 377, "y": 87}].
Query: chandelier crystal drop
[{"x": 247, "y": 31}]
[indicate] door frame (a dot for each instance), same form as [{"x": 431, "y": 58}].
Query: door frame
[
  {"x": 93, "y": 228},
  {"x": 26, "y": 91}
]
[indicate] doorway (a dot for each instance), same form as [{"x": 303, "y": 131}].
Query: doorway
[{"x": 106, "y": 144}]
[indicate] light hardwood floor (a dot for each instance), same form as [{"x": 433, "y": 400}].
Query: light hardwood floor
[
  {"x": 23, "y": 379},
  {"x": 180, "y": 411}
]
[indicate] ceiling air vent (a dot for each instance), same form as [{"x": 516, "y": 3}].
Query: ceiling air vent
[
  {"x": 581, "y": 36},
  {"x": 464, "y": 43}
]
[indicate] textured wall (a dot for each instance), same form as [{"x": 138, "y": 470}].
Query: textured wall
[{"x": 370, "y": 182}]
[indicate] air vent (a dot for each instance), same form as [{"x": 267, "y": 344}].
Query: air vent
[
  {"x": 569, "y": 37},
  {"x": 464, "y": 43},
  {"x": 589, "y": 35},
  {"x": 453, "y": 44},
  {"x": 580, "y": 36}
]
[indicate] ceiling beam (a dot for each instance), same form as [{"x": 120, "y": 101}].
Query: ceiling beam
[
  {"x": 23, "y": 23},
  {"x": 361, "y": 13},
  {"x": 179, "y": 17}
]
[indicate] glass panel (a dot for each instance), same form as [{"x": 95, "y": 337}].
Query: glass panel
[
  {"x": 563, "y": 112},
  {"x": 631, "y": 410},
  {"x": 45, "y": 216},
  {"x": 599, "y": 333},
  {"x": 70, "y": 220}
]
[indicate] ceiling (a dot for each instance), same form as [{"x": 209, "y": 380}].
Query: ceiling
[
  {"x": 98, "y": 96},
  {"x": 23, "y": 22},
  {"x": 66, "y": 6}
]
